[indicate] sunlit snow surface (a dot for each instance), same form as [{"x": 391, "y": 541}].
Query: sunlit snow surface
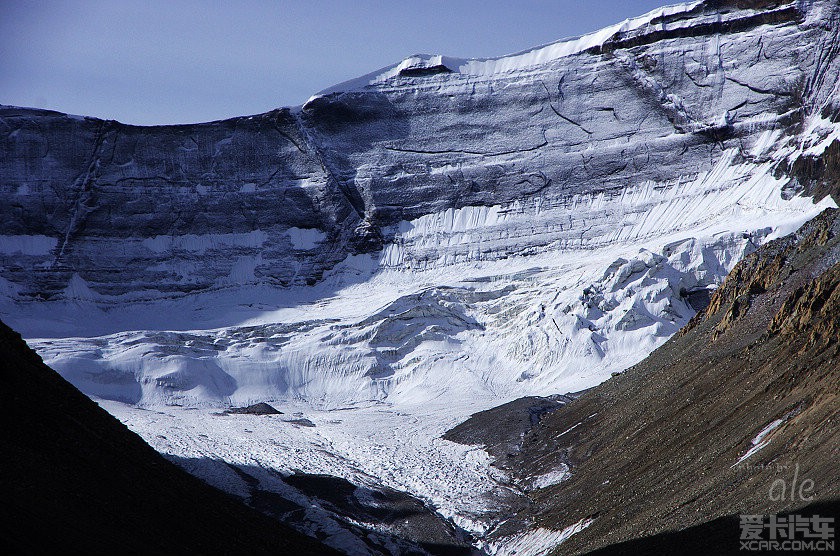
[
  {"x": 487, "y": 303},
  {"x": 404, "y": 345}
]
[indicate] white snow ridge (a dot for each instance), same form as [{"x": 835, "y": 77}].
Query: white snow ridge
[{"x": 417, "y": 245}]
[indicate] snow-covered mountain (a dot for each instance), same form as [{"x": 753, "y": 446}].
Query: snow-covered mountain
[
  {"x": 430, "y": 239},
  {"x": 441, "y": 207}
]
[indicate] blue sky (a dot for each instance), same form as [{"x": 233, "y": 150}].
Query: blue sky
[{"x": 177, "y": 61}]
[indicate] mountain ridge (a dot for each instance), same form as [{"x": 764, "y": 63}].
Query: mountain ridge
[{"x": 341, "y": 164}]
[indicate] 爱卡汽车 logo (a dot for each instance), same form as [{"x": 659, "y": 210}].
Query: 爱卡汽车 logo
[{"x": 787, "y": 533}]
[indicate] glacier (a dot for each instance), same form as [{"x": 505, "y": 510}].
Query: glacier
[{"x": 418, "y": 244}]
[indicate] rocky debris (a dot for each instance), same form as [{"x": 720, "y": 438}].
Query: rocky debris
[
  {"x": 391, "y": 513},
  {"x": 303, "y": 422},
  {"x": 501, "y": 430},
  {"x": 747, "y": 395},
  {"x": 261, "y": 408}
]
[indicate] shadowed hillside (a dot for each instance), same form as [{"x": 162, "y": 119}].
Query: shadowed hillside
[{"x": 76, "y": 480}]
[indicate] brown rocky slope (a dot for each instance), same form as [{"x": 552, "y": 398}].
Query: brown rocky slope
[{"x": 654, "y": 452}]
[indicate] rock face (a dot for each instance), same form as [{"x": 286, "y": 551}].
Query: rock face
[
  {"x": 745, "y": 396},
  {"x": 261, "y": 408},
  {"x": 281, "y": 197},
  {"x": 500, "y": 430},
  {"x": 76, "y": 480},
  {"x": 168, "y": 209},
  {"x": 574, "y": 204}
]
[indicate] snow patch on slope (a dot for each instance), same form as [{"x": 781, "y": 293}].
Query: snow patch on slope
[
  {"x": 759, "y": 441},
  {"x": 536, "y": 542},
  {"x": 303, "y": 238},
  {"x": 553, "y": 477}
]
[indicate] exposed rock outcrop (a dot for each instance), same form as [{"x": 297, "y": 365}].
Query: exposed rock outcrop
[{"x": 261, "y": 408}]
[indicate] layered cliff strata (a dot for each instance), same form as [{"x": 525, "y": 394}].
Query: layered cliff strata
[{"x": 97, "y": 208}]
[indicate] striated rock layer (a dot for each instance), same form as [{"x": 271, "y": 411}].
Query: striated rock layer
[{"x": 281, "y": 197}]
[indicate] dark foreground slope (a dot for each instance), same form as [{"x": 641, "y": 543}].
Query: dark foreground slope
[
  {"x": 76, "y": 480},
  {"x": 654, "y": 452}
]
